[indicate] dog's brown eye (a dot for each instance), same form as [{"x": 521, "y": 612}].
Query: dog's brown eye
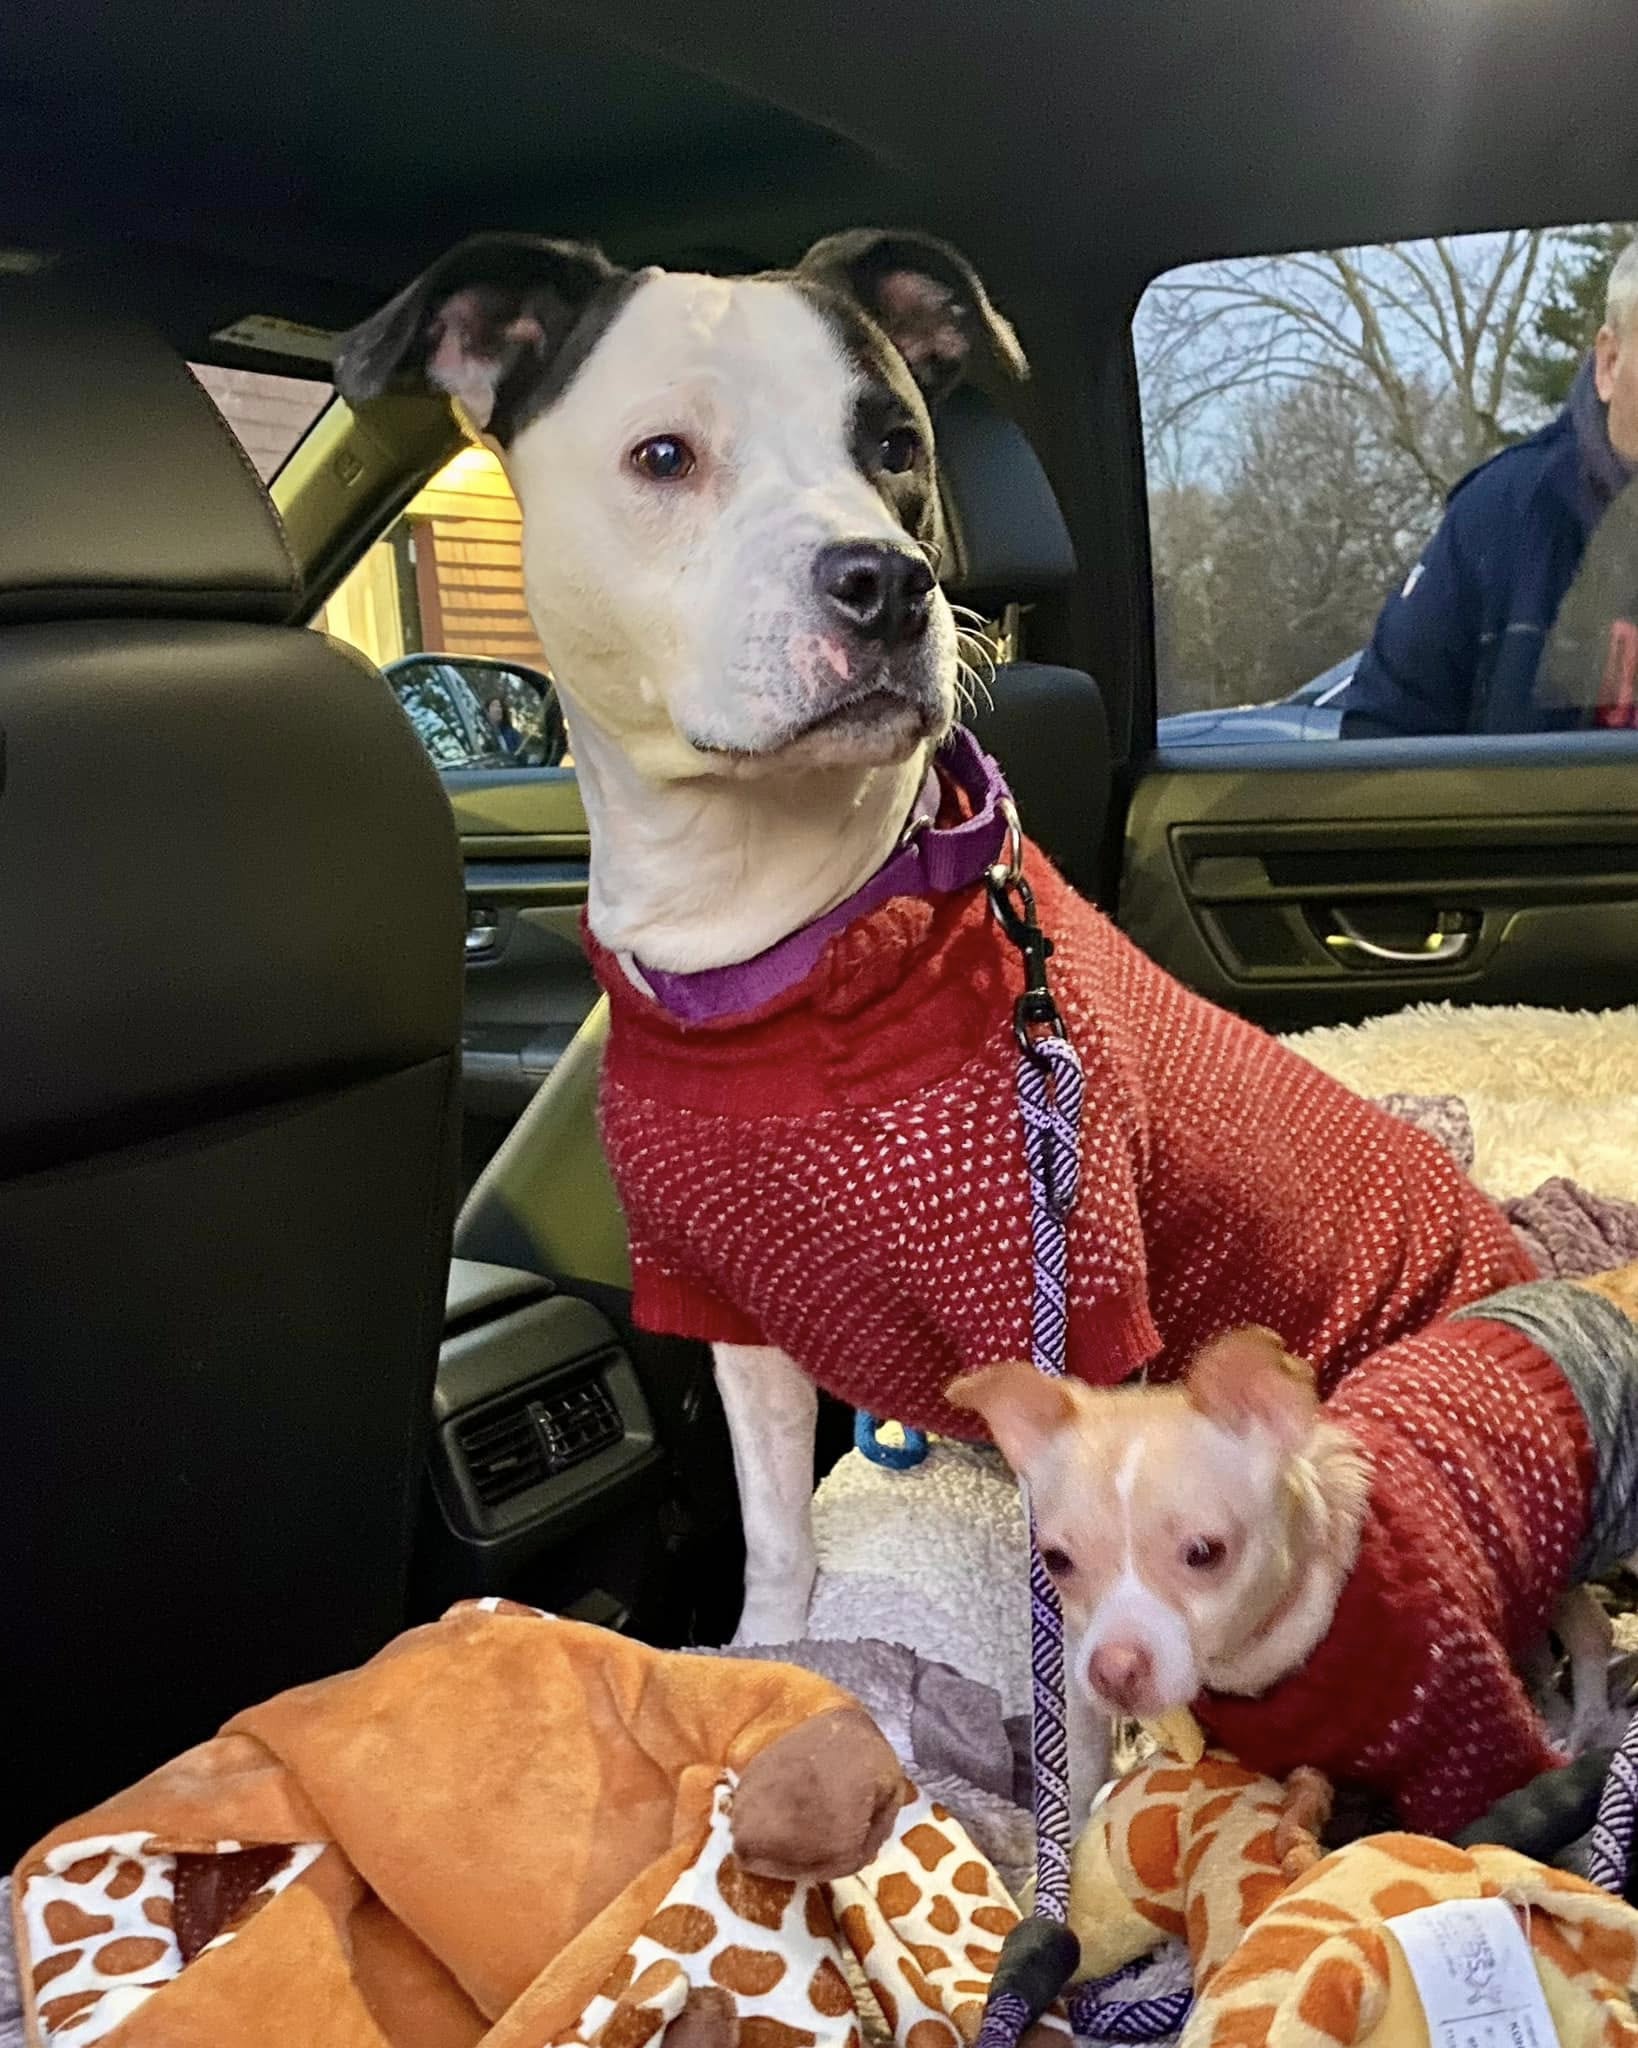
[
  {"x": 665, "y": 459},
  {"x": 1058, "y": 1562},
  {"x": 1204, "y": 1554},
  {"x": 900, "y": 447}
]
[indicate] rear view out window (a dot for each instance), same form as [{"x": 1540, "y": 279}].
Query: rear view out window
[
  {"x": 268, "y": 414},
  {"x": 1332, "y": 559}
]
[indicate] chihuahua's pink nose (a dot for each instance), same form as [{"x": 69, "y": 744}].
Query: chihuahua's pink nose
[{"x": 1121, "y": 1673}]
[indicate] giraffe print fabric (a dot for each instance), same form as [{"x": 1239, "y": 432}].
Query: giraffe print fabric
[
  {"x": 108, "y": 1926},
  {"x": 924, "y": 1924},
  {"x": 108, "y": 1922},
  {"x": 1321, "y": 1969}
]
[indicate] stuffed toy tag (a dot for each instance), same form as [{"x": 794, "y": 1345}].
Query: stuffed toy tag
[{"x": 1475, "y": 1975}]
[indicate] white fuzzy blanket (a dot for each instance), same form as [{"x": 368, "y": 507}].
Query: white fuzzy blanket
[
  {"x": 934, "y": 1558},
  {"x": 1549, "y": 1091}
]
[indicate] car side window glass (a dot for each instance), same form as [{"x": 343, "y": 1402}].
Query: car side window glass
[
  {"x": 437, "y": 604},
  {"x": 1389, "y": 489}
]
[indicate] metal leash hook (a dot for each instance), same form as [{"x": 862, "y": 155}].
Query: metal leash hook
[{"x": 1035, "y": 1014}]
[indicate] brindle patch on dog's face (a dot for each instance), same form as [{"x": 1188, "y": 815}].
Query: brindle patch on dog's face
[{"x": 685, "y": 450}]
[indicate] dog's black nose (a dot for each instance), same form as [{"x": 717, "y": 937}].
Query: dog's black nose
[{"x": 877, "y": 590}]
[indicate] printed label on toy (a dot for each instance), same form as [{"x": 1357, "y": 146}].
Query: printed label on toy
[{"x": 1475, "y": 1975}]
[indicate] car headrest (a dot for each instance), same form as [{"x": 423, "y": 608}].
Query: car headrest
[
  {"x": 1007, "y": 538},
  {"x": 126, "y": 493}
]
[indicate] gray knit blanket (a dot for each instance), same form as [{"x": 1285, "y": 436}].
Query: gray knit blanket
[{"x": 1569, "y": 1231}]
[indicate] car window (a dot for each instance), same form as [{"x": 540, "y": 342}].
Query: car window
[
  {"x": 268, "y": 414},
  {"x": 1388, "y": 489},
  {"x": 437, "y": 604}
]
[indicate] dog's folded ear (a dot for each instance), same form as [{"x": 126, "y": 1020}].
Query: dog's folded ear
[
  {"x": 925, "y": 297},
  {"x": 1022, "y": 1407},
  {"x": 1248, "y": 1380},
  {"x": 489, "y": 323}
]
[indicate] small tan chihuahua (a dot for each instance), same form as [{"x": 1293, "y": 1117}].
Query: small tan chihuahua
[
  {"x": 1354, "y": 1584},
  {"x": 1199, "y": 1534}
]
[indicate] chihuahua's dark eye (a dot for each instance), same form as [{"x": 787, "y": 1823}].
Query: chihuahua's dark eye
[
  {"x": 900, "y": 446},
  {"x": 1204, "y": 1554},
  {"x": 666, "y": 459},
  {"x": 1058, "y": 1562}
]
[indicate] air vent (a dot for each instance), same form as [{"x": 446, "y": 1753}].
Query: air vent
[{"x": 536, "y": 1434}]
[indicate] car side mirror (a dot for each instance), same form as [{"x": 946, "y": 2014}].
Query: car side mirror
[
  {"x": 520, "y": 710},
  {"x": 473, "y": 711}
]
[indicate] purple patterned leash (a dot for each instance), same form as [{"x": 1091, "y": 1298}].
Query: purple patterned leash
[
  {"x": 1096, "y": 2017},
  {"x": 1609, "y": 1850},
  {"x": 1040, "y": 1954},
  {"x": 1050, "y": 1089}
]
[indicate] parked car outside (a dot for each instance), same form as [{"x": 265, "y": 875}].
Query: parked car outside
[{"x": 1312, "y": 713}]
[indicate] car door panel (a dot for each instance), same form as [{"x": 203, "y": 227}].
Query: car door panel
[
  {"x": 528, "y": 983},
  {"x": 539, "y": 807},
  {"x": 1301, "y": 885}
]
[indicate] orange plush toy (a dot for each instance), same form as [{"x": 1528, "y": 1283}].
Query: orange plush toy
[{"x": 518, "y": 1832}]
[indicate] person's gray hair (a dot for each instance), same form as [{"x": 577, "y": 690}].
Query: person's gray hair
[{"x": 1621, "y": 296}]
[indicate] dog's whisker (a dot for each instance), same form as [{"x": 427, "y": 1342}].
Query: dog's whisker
[
  {"x": 977, "y": 652},
  {"x": 971, "y": 684}
]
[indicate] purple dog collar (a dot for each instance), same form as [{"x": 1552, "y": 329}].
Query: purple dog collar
[{"x": 928, "y": 862}]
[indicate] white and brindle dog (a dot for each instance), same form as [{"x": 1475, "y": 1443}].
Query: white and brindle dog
[
  {"x": 730, "y": 514},
  {"x": 730, "y": 507}
]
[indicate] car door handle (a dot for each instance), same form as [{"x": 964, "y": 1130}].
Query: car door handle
[{"x": 1447, "y": 943}]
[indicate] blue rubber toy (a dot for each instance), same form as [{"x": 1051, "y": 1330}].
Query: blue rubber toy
[{"x": 896, "y": 1457}]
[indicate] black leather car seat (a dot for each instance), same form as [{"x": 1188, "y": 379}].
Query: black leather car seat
[
  {"x": 230, "y": 944},
  {"x": 546, "y": 1201}
]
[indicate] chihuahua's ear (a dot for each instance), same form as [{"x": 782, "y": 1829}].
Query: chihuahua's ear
[
  {"x": 1248, "y": 1380},
  {"x": 486, "y": 323},
  {"x": 925, "y": 297},
  {"x": 1022, "y": 1407}
]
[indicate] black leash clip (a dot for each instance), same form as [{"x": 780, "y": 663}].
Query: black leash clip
[{"x": 1034, "y": 1015}]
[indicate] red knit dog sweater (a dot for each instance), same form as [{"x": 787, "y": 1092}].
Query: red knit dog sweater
[
  {"x": 1482, "y": 1468},
  {"x": 840, "y": 1173}
]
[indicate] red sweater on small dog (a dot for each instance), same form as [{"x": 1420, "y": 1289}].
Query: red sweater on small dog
[
  {"x": 840, "y": 1173},
  {"x": 1481, "y": 1472}
]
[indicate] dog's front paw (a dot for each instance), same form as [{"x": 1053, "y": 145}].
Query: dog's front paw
[{"x": 774, "y": 1614}]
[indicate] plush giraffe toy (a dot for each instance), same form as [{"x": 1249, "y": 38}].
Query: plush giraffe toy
[
  {"x": 509, "y": 1831},
  {"x": 1290, "y": 1948},
  {"x": 1196, "y": 1850}
]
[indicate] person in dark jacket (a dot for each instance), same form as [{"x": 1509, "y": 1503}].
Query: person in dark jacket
[{"x": 1457, "y": 648}]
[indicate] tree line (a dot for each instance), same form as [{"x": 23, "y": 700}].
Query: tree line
[{"x": 1306, "y": 417}]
